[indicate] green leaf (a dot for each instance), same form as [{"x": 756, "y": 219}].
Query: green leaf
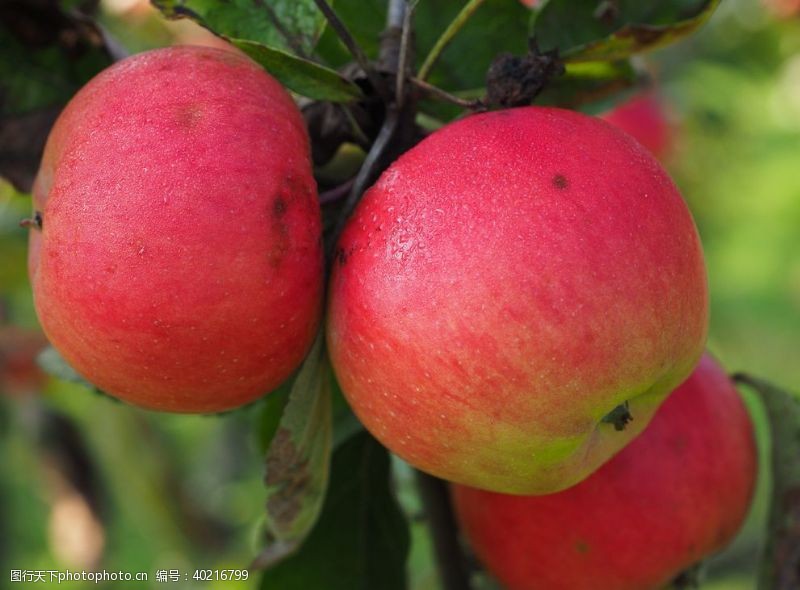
[
  {"x": 497, "y": 26},
  {"x": 293, "y": 25},
  {"x": 270, "y": 413},
  {"x": 593, "y": 86},
  {"x": 35, "y": 77},
  {"x": 592, "y": 30},
  {"x": 52, "y": 363},
  {"x": 778, "y": 569},
  {"x": 361, "y": 540},
  {"x": 297, "y": 460},
  {"x": 365, "y": 19},
  {"x": 301, "y": 75}
]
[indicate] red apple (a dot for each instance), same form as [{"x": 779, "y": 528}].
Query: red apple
[
  {"x": 20, "y": 375},
  {"x": 783, "y": 8},
  {"x": 506, "y": 285},
  {"x": 675, "y": 495},
  {"x": 179, "y": 262},
  {"x": 644, "y": 119}
]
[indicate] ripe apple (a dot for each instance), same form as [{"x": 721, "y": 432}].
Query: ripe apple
[
  {"x": 510, "y": 292},
  {"x": 644, "y": 119},
  {"x": 676, "y": 494},
  {"x": 179, "y": 261}
]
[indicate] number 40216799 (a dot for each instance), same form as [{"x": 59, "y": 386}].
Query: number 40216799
[{"x": 225, "y": 575}]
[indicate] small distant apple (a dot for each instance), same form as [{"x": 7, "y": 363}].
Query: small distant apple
[{"x": 643, "y": 118}]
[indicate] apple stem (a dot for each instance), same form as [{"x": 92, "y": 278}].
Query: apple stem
[
  {"x": 451, "y": 562},
  {"x": 780, "y": 563},
  {"x": 619, "y": 416},
  {"x": 35, "y": 222}
]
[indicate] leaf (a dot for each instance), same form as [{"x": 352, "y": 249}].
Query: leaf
[
  {"x": 46, "y": 55},
  {"x": 52, "y": 363},
  {"x": 269, "y": 415},
  {"x": 497, "y": 26},
  {"x": 365, "y": 19},
  {"x": 780, "y": 562},
  {"x": 301, "y": 75},
  {"x": 45, "y": 58},
  {"x": 596, "y": 86},
  {"x": 297, "y": 460},
  {"x": 361, "y": 540},
  {"x": 293, "y": 25},
  {"x": 592, "y": 30}
]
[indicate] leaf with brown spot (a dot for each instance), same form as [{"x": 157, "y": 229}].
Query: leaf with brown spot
[
  {"x": 592, "y": 30},
  {"x": 297, "y": 460},
  {"x": 361, "y": 540}
]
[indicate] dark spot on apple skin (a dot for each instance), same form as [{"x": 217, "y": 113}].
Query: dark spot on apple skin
[
  {"x": 342, "y": 256},
  {"x": 582, "y": 547},
  {"x": 188, "y": 116},
  {"x": 279, "y": 207},
  {"x": 560, "y": 181}
]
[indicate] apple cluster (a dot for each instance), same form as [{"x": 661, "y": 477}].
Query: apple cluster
[{"x": 509, "y": 306}]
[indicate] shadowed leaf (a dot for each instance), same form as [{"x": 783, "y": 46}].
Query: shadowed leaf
[
  {"x": 592, "y": 30},
  {"x": 594, "y": 86},
  {"x": 46, "y": 55},
  {"x": 780, "y": 564},
  {"x": 361, "y": 539}
]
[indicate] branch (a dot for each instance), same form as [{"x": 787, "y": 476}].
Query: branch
[
  {"x": 436, "y": 92},
  {"x": 365, "y": 174},
  {"x": 405, "y": 52},
  {"x": 354, "y": 48},
  {"x": 450, "y": 560},
  {"x": 780, "y": 564},
  {"x": 458, "y": 22},
  {"x": 337, "y": 192}
]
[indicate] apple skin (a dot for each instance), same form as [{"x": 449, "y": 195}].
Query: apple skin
[
  {"x": 675, "y": 495},
  {"x": 179, "y": 264},
  {"x": 505, "y": 285},
  {"x": 644, "y": 119}
]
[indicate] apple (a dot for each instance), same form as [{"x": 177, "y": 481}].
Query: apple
[
  {"x": 644, "y": 119},
  {"x": 510, "y": 293},
  {"x": 20, "y": 376},
  {"x": 675, "y": 495},
  {"x": 178, "y": 261},
  {"x": 783, "y": 9}
]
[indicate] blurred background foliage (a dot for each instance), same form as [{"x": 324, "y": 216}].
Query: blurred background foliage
[{"x": 86, "y": 482}]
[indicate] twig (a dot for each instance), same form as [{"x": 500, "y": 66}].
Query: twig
[
  {"x": 780, "y": 564},
  {"x": 354, "y": 48},
  {"x": 365, "y": 174},
  {"x": 436, "y": 92},
  {"x": 355, "y": 128},
  {"x": 458, "y": 22},
  {"x": 451, "y": 562},
  {"x": 402, "y": 69},
  {"x": 291, "y": 41},
  {"x": 337, "y": 192}
]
